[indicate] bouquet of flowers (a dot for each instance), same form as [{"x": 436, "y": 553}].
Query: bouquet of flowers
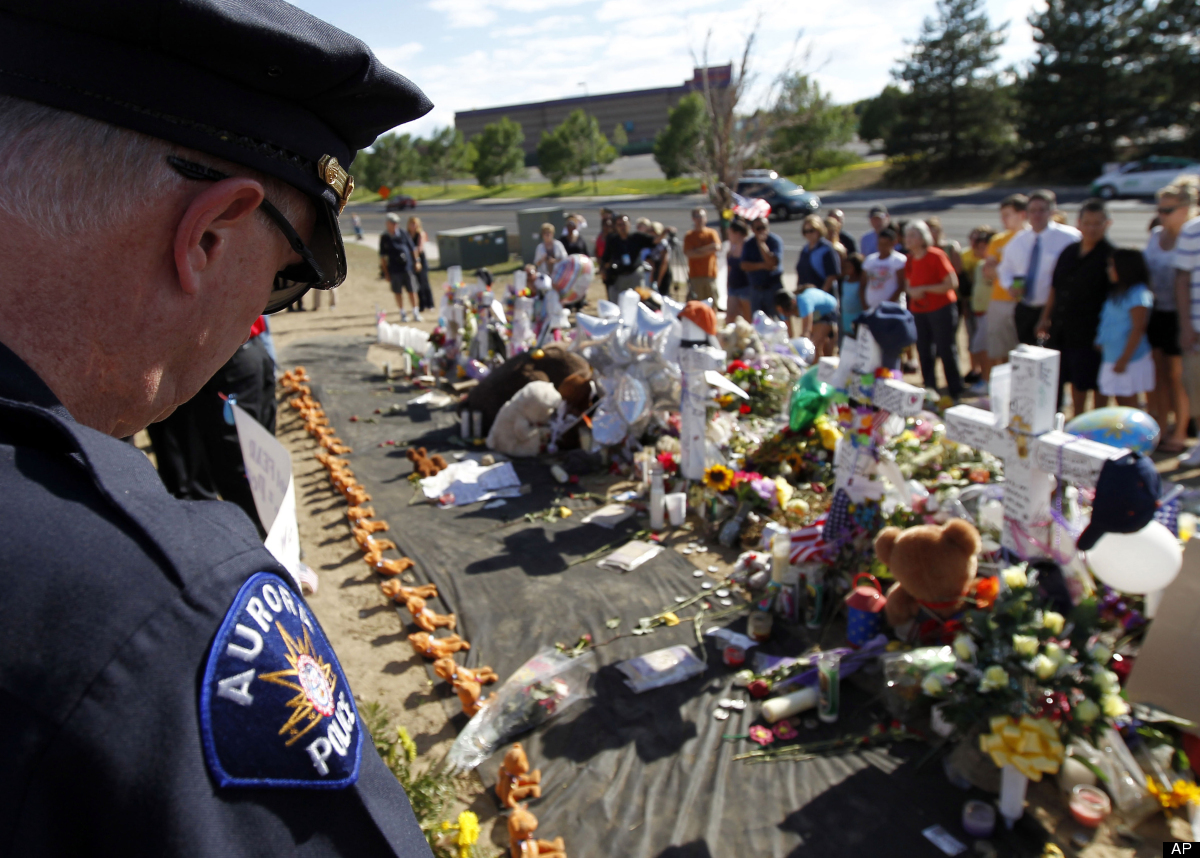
[
  {"x": 768, "y": 390},
  {"x": 1021, "y": 665}
]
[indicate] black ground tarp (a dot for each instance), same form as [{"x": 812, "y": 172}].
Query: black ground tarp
[{"x": 643, "y": 776}]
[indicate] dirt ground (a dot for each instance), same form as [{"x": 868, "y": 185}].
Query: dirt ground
[{"x": 370, "y": 637}]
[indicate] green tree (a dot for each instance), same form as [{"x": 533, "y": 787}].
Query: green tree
[
  {"x": 1171, "y": 62},
  {"x": 575, "y": 148},
  {"x": 392, "y": 161},
  {"x": 446, "y": 156},
  {"x": 808, "y": 127},
  {"x": 677, "y": 147},
  {"x": 620, "y": 139},
  {"x": 955, "y": 118},
  {"x": 1084, "y": 91},
  {"x": 498, "y": 152},
  {"x": 555, "y": 156},
  {"x": 877, "y": 115}
]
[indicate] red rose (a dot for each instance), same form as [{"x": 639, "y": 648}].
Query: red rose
[
  {"x": 744, "y": 409},
  {"x": 759, "y": 688}
]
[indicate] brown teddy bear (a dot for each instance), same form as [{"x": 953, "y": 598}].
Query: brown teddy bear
[
  {"x": 467, "y": 682},
  {"x": 427, "y": 619},
  {"x": 554, "y": 363},
  {"x": 423, "y": 643},
  {"x": 521, "y": 826},
  {"x": 423, "y": 463},
  {"x": 515, "y": 782},
  {"x": 933, "y": 565}
]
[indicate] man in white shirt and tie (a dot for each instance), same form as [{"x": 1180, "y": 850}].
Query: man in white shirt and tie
[{"x": 1029, "y": 259}]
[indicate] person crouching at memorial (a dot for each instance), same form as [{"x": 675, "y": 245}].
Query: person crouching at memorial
[
  {"x": 1127, "y": 367},
  {"x": 817, "y": 311}
]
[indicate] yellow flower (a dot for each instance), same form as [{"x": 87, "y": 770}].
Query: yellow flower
[
  {"x": 1026, "y": 645},
  {"x": 994, "y": 677},
  {"x": 932, "y": 685},
  {"x": 445, "y": 825},
  {"x": 830, "y": 434},
  {"x": 406, "y": 742},
  {"x": 783, "y": 491},
  {"x": 798, "y": 505},
  {"x": 1101, "y": 654},
  {"x": 1043, "y": 667},
  {"x": 964, "y": 647},
  {"x": 1087, "y": 711},
  {"x": 1052, "y": 621},
  {"x": 1114, "y": 706},
  {"x": 1107, "y": 681},
  {"x": 563, "y": 512},
  {"x": 468, "y": 828},
  {"x": 1014, "y": 577},
  {"x": 1058, "y": 655},
  {"x": 1180, "y": 795},
  {"x": 718, "y": 478},
  {"x": 670, "y": 618}
]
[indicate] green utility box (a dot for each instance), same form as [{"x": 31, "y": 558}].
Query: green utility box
[
  {"x": 529, "y": 227},
  {"x": 473, "y": 246}
]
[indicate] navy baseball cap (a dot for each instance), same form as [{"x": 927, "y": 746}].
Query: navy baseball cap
[
  {"x": 1126, "y": 498},
  {"x": 893, "y": 327},
  {"x": 256, "y": 82}
]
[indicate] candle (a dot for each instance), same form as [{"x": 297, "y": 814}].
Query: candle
[
  {"x": 978, "y": 818},
  {"x": 778, "y": 708},
  {"x": 1089, "y": 805},
  {"x": 1012, "y": 795}
]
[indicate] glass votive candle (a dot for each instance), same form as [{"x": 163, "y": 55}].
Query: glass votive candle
[
  {"x": 978, "y": 818},
  {"x": 1089, "y": 805}
]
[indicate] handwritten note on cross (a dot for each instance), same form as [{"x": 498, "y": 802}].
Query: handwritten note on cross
[
  {"x": 1022, "y": 433},
  {"x": 854, "y": 374}
]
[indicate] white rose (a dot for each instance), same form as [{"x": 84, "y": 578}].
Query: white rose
[
  {"x": 1114, "y": 706},
  {"x": 1014, "y": 577},
  {"x": 1043, "y": 667},
  {"x": 964, "y": 647},
  {"x": 1025, "y": 645},
  {"x": 1053, "y": 622}
]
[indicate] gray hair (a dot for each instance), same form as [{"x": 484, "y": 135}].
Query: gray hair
[
  {"x": 63, "y": 174},
  {"x": 922, "y": 229}
]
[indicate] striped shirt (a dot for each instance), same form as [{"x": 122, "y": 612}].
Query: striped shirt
[{"x": 1187, "y": 258}]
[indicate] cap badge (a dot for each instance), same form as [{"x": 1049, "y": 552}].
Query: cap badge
[{"x": 339, "y": 180}]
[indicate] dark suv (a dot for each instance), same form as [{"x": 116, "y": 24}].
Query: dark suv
[{"x": 786, "y": 198}]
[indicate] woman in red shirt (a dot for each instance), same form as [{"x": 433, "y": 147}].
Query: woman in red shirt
[{"x": 931, "y": 283}]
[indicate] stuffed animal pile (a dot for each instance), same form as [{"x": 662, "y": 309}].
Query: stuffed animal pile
[
  {"x": 521, "y": 827},
  {"x": 522, "y": 427}
]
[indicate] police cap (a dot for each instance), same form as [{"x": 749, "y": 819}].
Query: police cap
[{"x": 256, "y": 82}]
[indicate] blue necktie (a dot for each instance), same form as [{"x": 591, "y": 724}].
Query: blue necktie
[{"x": 1035, "y": 258}]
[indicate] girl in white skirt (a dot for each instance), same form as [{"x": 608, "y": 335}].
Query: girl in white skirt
[{"x": 1127, "y": 367}]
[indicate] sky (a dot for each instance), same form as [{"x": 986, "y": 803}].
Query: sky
[{"x": 468, "y": 54}]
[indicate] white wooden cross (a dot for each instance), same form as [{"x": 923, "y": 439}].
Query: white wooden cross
[
  {"x": 855, "y": 468},
  {"x": 1024, "y": 432}
]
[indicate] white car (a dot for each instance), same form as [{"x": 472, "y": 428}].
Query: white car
[{"x": 1142, "y": 178}]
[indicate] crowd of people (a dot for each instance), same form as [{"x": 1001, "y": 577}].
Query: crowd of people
[{"x": 1126, "y": 321}]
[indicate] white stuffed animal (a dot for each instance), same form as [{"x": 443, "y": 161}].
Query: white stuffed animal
[{"x": 521, "y": 427}]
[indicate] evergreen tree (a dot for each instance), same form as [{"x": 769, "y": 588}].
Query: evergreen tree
[
  {"x": 447, "y": 156},
  {"x": 1085, "y": 89},
  {"x": 1170, "y": 60},
  {"x": 498, "y": 152},
  {"x": 676, "y": 147},
  {"x": 954, "y": 119},
  {"x": 877, "y": 115},
  {"x": 808, "y": 127},
  {"x": 620, "y": 139}
]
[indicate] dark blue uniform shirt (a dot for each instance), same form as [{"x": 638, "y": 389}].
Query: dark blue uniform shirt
[{"x": 140, "y": 669}]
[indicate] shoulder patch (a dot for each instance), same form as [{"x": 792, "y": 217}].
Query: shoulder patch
[{"x": 275, "y": 707}]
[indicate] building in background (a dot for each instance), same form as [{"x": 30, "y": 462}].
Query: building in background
[{"x": 642, "y": 112}]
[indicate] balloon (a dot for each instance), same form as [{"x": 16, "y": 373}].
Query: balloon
[
  {"x": 592, "y": 331},
  {"x": 572, "y": 277},
  {"x": 607, "y": 426},
  {"x": 811, "y": 380},
  {"x": 628, "y": 302},
  {"x": 607, "y": 309},
  {"x": 646, "y": 336},
  {"x": 1139, "y": 563},
  {"x": 769, "y": 329},
  {"x": 671, "y": 307},
  {"x": 1118, "y": 427},
  {"x": 804, "y": 349},
  {"x": 631, "y": 399}
]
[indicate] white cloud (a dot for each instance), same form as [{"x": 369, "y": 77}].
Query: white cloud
[
  {"x": 465, "y": 13},
  {"x": 399, "y": 57}
]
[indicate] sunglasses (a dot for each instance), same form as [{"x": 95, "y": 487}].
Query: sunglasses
[
  {"x": 291, "y": 282},
  {"x": 808, "y": 231},
  {"x": 1166, "y": 211}
]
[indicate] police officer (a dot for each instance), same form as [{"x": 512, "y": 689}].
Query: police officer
[{"x": 169, "y": 170}]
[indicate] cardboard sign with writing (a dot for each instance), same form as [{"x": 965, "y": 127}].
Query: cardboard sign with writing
[{"x": 269, "y": 470}]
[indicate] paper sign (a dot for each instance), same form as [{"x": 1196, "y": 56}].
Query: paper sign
[
  {"x": 269, "y": 470},
  {"x": 268, "y": 466}
]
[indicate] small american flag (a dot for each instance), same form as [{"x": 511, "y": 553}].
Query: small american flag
[
  {"x": 808, "y": 543},
  {"x": 750, "y": 208}
]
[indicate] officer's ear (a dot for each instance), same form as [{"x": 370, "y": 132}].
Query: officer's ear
[{"x": 209, "y": 225}]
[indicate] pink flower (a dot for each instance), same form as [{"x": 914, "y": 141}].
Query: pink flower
[
  {"x": 762, "y": 735},
  {"x": 785, "y": 730}
]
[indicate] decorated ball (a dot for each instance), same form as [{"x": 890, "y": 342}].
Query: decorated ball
[
  {"x": 572, "y": 277},
  {"x": 1118, "y": 427}
]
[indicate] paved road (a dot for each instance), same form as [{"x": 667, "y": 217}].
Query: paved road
[{"x": 960, "y": 212}]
